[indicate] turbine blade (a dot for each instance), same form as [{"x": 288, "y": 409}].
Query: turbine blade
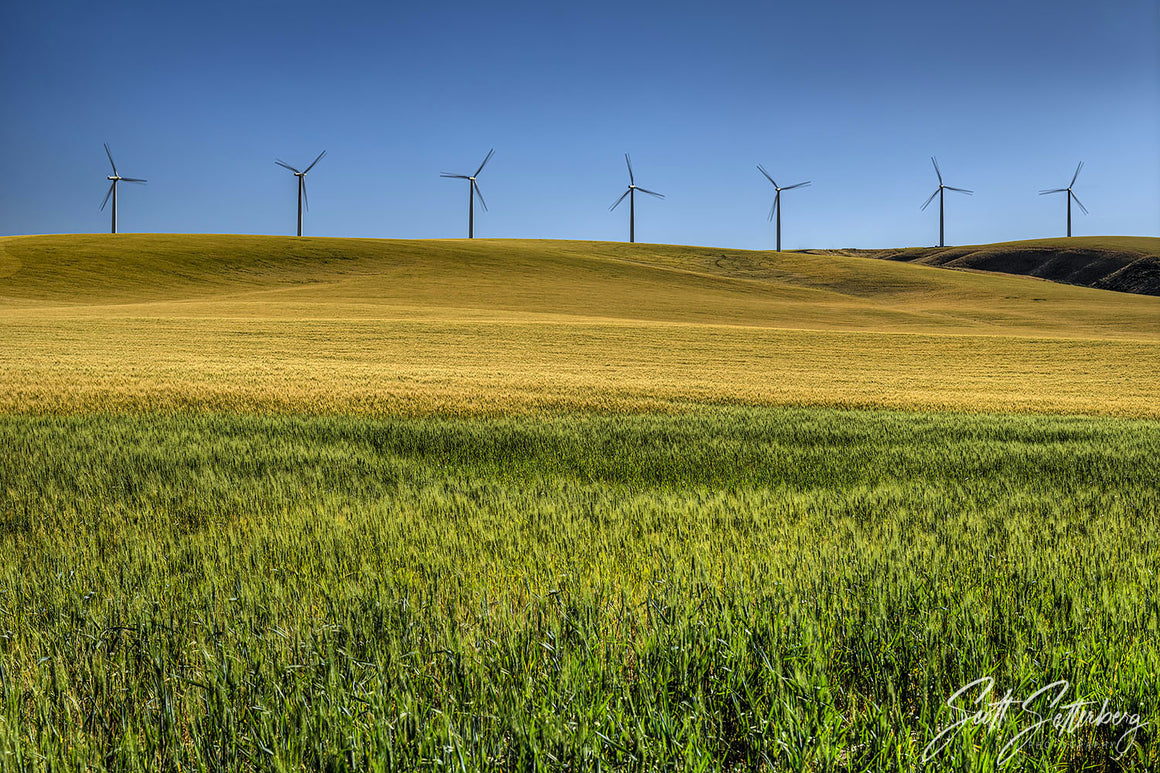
[
  {"x": 490, "y": 153},
  {"x": 1074, "y": 176},
  {"x": 651, "y": 193},
  {"x": 928, "y": 201},
  {"x": 107, "y": 195},
  {"x": 1077, "y": 201},
  {"x": 761, "y": 169},
  {"x": 315, "y": 161},
  {"x": 455, "y": 176},
  {"x": 1053, "y": 190},
  {"x": 798, "y": 185},
  {"x": 479, "y": 193},
  {"x": 112, "y": 163},
  {"x": 134, "y": 180},
  {"x": 960, "y": 190},
  {"x": 773, "y": 208},
  {"x": 616, "y": 203},
  {"x": 628, "y": 161},
  {"x": 937, "y": 171},
  {"x": 305, "y": 198},
  {"x": 284, "y": 165}
]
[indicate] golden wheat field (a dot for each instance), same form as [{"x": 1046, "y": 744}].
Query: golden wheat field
[{"x": 493, "y": 326}]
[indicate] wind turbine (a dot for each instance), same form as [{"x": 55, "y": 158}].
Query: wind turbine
[
  {"x": 939, "y": 192},
  {"x": 472, "y": 192},
  {"x": 1070, "y": 195},
  {"x": 776, "y": 208},
  {"x": 116, "y": 178},
  {"x": 631, "y": 194},
  {"x": 302, "y": 198}
]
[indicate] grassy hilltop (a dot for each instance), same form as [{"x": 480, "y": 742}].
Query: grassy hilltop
[{"x": 374, "y": 326}]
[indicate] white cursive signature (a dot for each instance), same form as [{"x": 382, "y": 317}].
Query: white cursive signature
[{"x": 1044, "y": 709}]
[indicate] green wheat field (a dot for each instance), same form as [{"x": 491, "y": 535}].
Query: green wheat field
[{"x": 329, "y": 504}]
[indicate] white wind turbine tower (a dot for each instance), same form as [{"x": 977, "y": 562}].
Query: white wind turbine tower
[
  {"x": 631, "y": 194},
  {"x": 472, "y": 192},
  {"x": 116, "y": 178},
  {"x": 939, "y": 191},
  {"x": 1070, "y": 195},
  {"x": 776, "y": 208},
  {"x": 302, "y": 198}
]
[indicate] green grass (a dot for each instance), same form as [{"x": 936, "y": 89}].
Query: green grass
[{"x": 731, "y": 588}]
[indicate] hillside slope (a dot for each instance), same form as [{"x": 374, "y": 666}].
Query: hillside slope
[
  {"x": 167, "y": 322},
  {"x": 283, "y": 276},
  {"x": 1129, "y": 264}
]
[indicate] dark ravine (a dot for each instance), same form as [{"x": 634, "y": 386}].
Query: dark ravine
[{"x": 1122, "y": 264}]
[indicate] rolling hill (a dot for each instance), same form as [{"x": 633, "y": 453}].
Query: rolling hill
[
  {"x": 1129, "y": 264},
  {"x": 380, "y": 326}
]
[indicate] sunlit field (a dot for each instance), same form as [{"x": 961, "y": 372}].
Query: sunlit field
[
  {"x": 381, "y": 328},
  {"x": 328, "y": 504}
]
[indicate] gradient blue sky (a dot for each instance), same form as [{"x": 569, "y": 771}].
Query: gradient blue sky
[{"x": 201, "y": 97}]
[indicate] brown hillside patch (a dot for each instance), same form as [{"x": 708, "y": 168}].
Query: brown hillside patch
[{"x": 1123, "y": 264}]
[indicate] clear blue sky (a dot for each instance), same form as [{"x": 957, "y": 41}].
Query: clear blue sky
[{"x": 200, "y": 98}]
